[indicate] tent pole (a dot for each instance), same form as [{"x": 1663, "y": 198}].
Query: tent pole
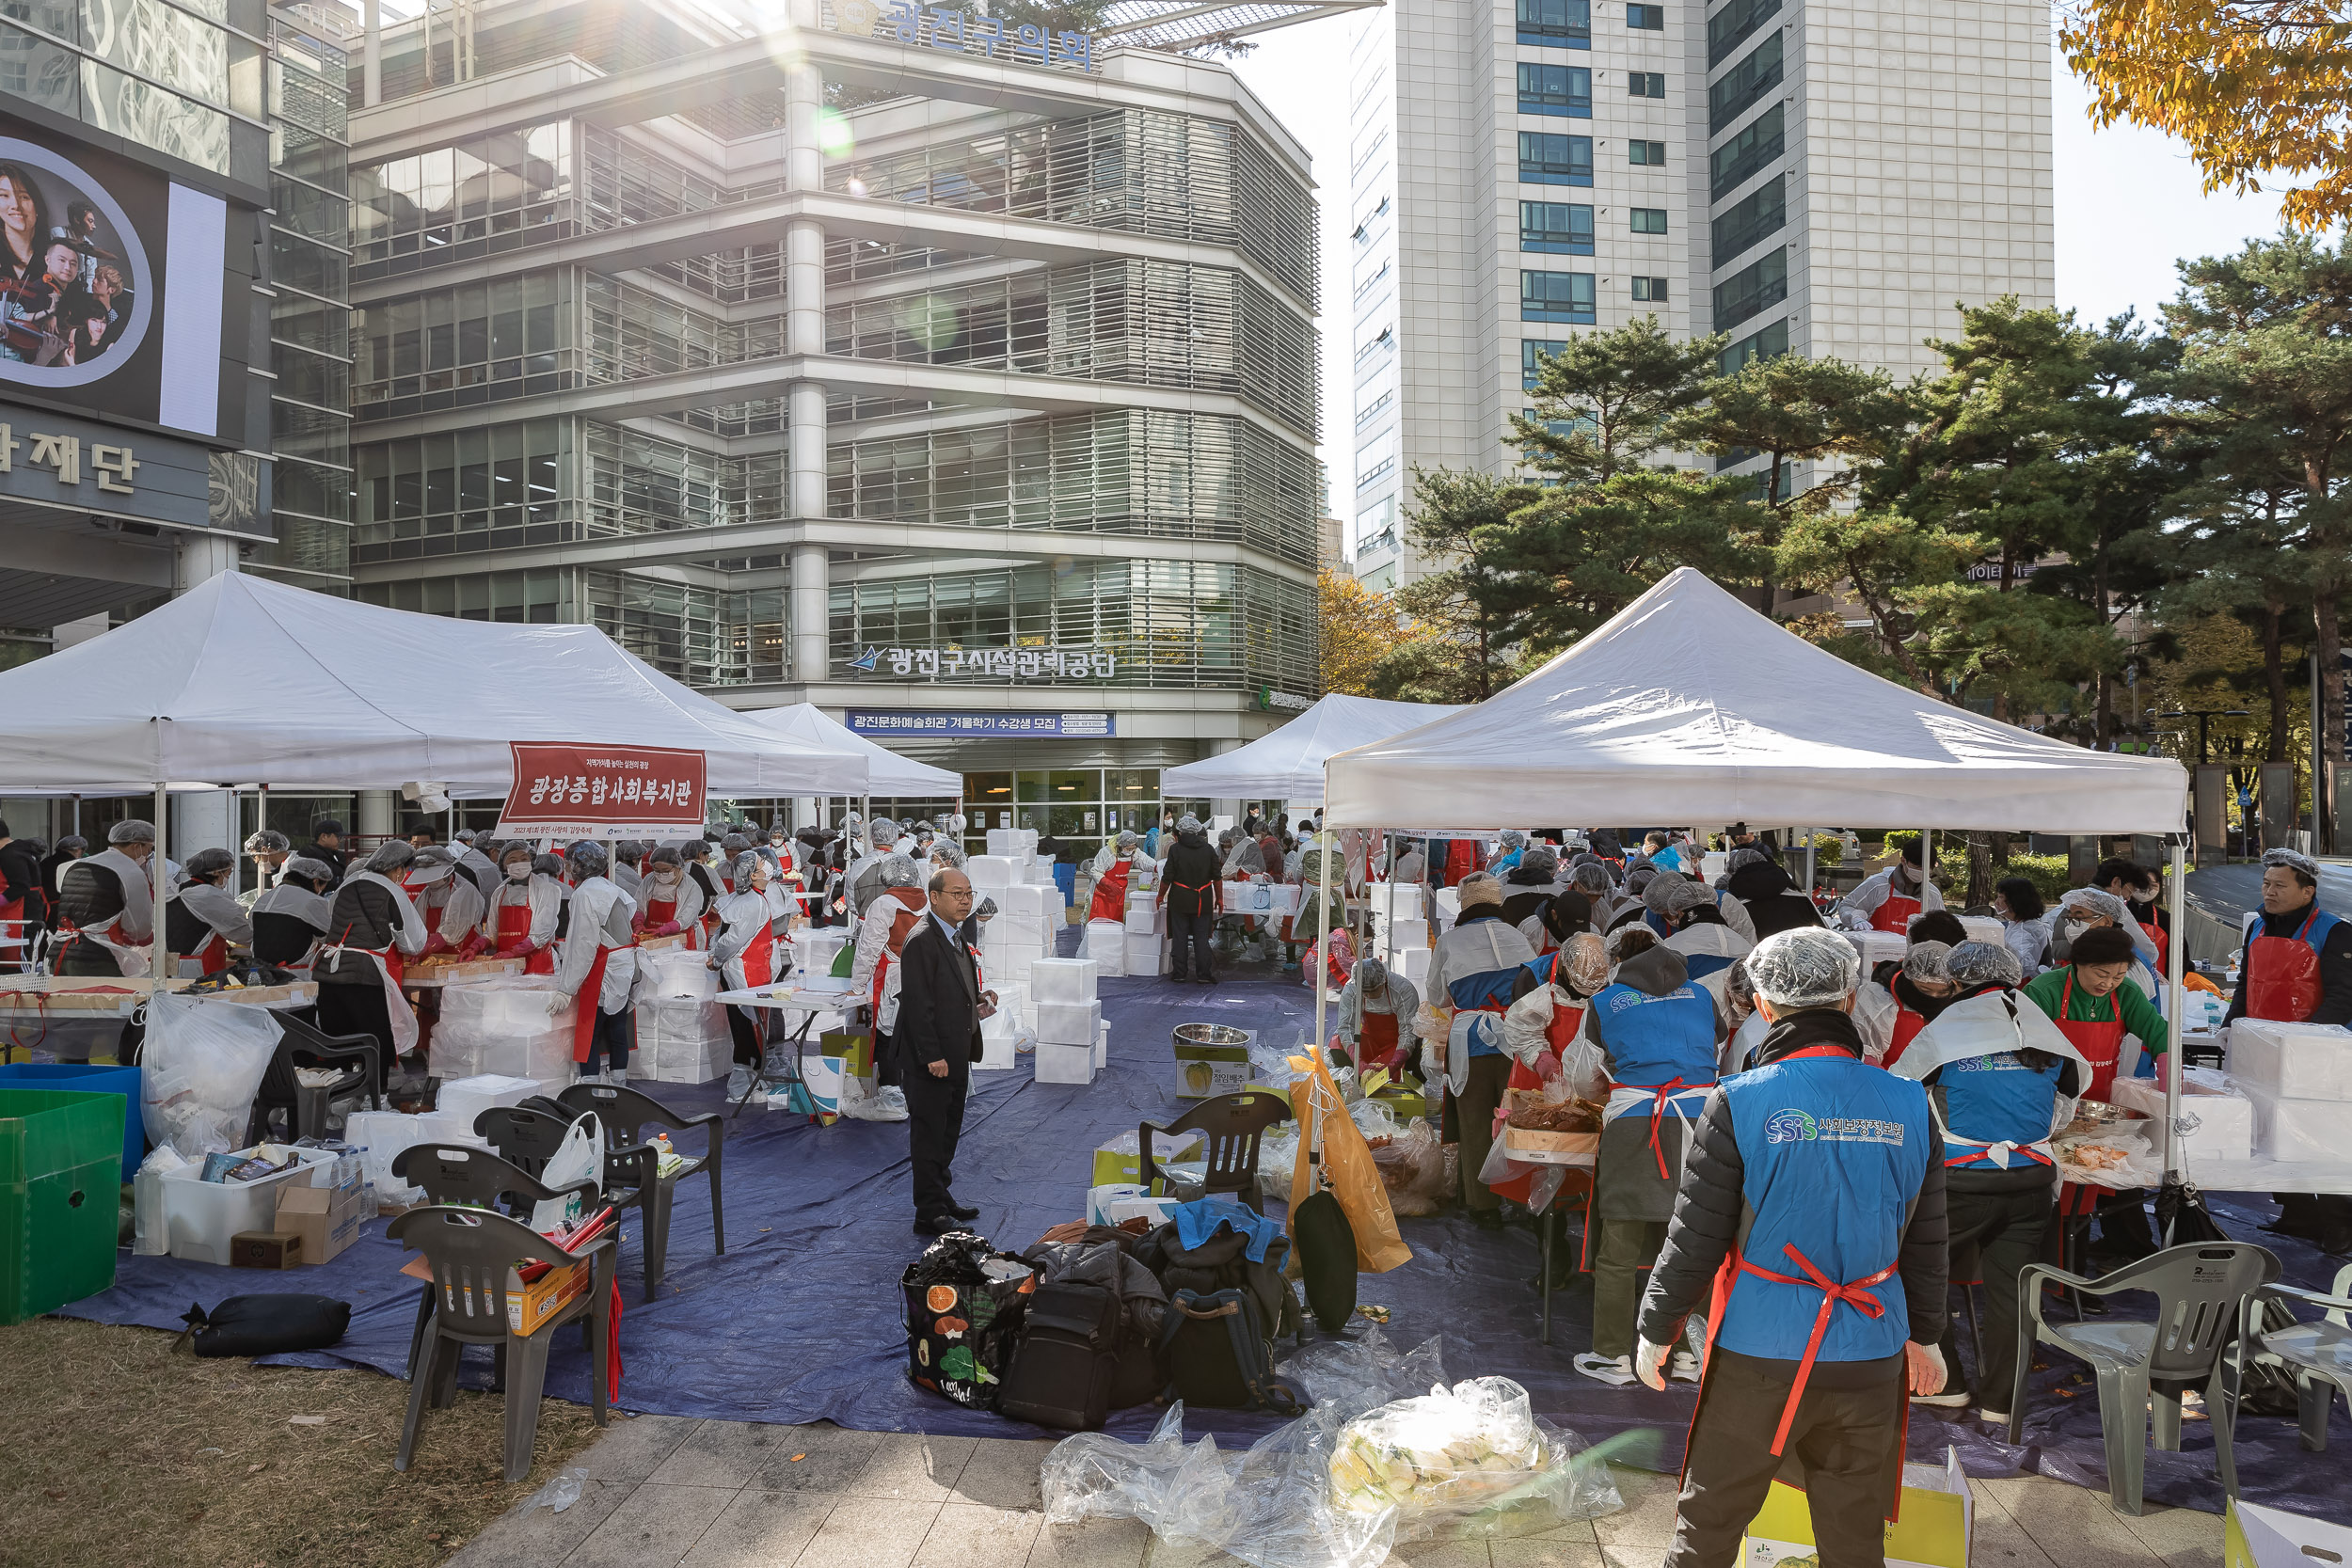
[
  {"x": 2175, "y": 1160},
  {"x": 1320, "y": 958},
  {"x": 1926, "y": 865},
  {"x": 162, "y": 881}
]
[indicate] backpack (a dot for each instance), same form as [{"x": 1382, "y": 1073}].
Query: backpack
[
  {"x": 1067, "y": 1363},
  {"x": 1218, "y": 1356},
  {"x": 1222, "y": 1263}
]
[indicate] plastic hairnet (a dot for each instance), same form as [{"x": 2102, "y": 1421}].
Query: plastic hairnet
[
  {"x": 520, "y": 846},
  {"x": 303, "y": 868},
  {"x": 1807, "y": 967},
  {"x": 1621, "y": 943},
  {"x": 74, "y": 844},
  {"x": 1584, "y": 963},
  {"x": 1927, "y": 964},
  {"x": 1592, "y": 877},
  {"x": 898, "y": 871},
  {"x": 1639, "y": 878},
  {"x": 665, "y": 855},
  {"x": 2293, "y": 861},
  {"x": 1189, "y": 823},
  {"x": 733, "y": 845},
  {"x": 1371, "y": 977},
  {"x": 132, "y": 832},
  {"x": 266, "y": 841},
  {"x": 434, "y": 854},
  {"x": 1513, "y": 839},
  {"x": 547, "y": 866},
  {"x": 1126, "y": 838},
  {"x": 1685, "y": 893},
  {"x": 587, "y": 858},
  {"x": 2090, "y": 900},
  {"x": 1747, "y": 854},
  {"x": 1982, "y": 963},
  {"x": 1250, "y": 856},
  {"x": 209, "y": 863},
  {"x": 393, "y": 854},
  {"x": 1480, "y": 888},
  {"x": 465, "y": 835},
  {"x": 883, "y": 831},
  {"x": 695, "y": 849},
  {"x": 946, "y": 853},
  {"x": 740, "y": 869},
  {"x": 1540, "y": 863},
  {"x": 1659, "y": 893}
]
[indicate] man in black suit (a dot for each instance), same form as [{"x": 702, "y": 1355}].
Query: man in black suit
[{"x": 940, "y": 1008}]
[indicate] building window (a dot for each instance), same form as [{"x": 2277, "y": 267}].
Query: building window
[
  {"x": 1649, "y": 220},
  {"x": 1378, "y": 470},
  {"x": 1746, "y": 84},
  {"x": 1555, "y": 89},
  {"x": 1532, "y": 352},
  {"x": 1373, "y": 408},
  {"x": 1386, "y": 336},
  {"x": 1761, "y": 212},
  {"x": 1651, "y": 289},
  {"x": 1563, "y": 228},
  {"x": 1557, "y": 23},
  {"x": 1557, "y": 296},
  {"x": 1645, "y": 84},
  {"x": 1732, "y": 26},
  {"x": 1647, "y": 19},
  {"x": 1758, "y": 286},
  {"x": 1548, "y": 158},
  {"x": 1736, "y": 160},
  {"x": 1650, "y": 152},
  {"x": 1765, "y": 343}
]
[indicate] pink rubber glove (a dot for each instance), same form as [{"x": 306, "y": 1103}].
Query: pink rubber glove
[
  {"x": 668, "y": 928},
  {"x": 435, "y": 943}
]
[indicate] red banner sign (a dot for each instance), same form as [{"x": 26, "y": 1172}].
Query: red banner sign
[{"x": 602, "y": 792}]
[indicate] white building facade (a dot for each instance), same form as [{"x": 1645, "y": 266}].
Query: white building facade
[{"x": 1812, "y": 176}]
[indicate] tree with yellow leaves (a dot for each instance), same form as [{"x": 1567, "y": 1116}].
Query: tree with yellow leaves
[
  {"x": 2255, "y": 88},
  {"x": 1359, "y": 629}
]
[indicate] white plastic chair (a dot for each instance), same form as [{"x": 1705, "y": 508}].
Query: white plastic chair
[{"x": 2320, "y": 1353}]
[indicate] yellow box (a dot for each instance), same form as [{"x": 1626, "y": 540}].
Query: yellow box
[
  {"x": 2258, "y": 1537},
  {"x": 1931, "y": 1529}
]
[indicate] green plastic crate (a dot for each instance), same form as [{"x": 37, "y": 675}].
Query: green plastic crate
[{"x": 61, "y": 1188}]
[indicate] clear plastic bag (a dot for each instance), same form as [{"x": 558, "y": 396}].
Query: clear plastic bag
[
  {"x": 1412, "y": 1168},
  {"x": 203, "y": 1062},
  {"x": 1473, "y": 1460}
]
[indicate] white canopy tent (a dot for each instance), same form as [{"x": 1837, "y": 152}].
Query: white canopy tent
[
  {"x": 887, "y": 773},
  {"x": 1287, "y": 764},
  {"x": 243, "y": 681},
  {"x": 1689, "y": 707}
]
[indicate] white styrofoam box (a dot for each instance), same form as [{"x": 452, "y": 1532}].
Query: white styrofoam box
[
  {"x": 1063, "y": 980},
  {"x": 1065, "y": 1064},
  {"x": 1717, "y": 862},
  {"x": 1144, "y": 917},
  {"x": 1878, "y": 948},
  {"x": 1020, "y": 928},
  {"x": 379, "y": 1136},
  {"x": 1013, "y": 842},
  {"x": 2297, "y": 1130},
  {"x": 1020, "y": 966},
  {"x": 1408, "y": 934},
  {"x": 1146, "y": 956},
  {"x": 676, "y": 972},
  {"x": 1068, "y": 1023},
  {"x": 815, "y": 948},
  {"x": 1984, "y": 928},
  {"x": 449, "y": 1127},
  {"x": 1009, "y": 995},
  {"x": 468, "y": 1098},
  {"x": 993, "y": 871},
  {"x": 201, "y": 1217},
  {"x": 1021, "y": 901},
  {"x": 2295, "y": 1061},
  {"x": 2224, "y": 1117},
  {"x": 681, "y": 1041},
  {"x": 1414, "y": 965},
  {"x": 1401, "y": 899},
  {"x": 996, "y": 1052},
  {"x": 1106, "y": 946}
]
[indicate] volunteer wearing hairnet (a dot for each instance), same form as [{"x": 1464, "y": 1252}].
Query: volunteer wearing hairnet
[
  {"x": 1529, "y": 885},
  {"x": 372, "y": 932},
  {"x": 1694, "y": 926},
  {"x": 204, "y": 919},
  {"x": 1768, "y": 893},
  {"x": 672, "y": 903},
  {"x": 2000, "y": 1078},
  {"x": 1887, "y": 901},
  {"x": 1111, "y": 870},
  {"x": 290, "y": 918},
  {"x": 446, "y": 902},
  {"x": 1834, "y": 1308},
  {"x": 520, "y": 918},
  {"x": 474, "y": 859},
  {"x": 1192, "y": 891},
  {"x": 626, "y": 856},
  {"x": 1461, "y": 1030},
  {"x": 1891, "y": 1016},
  {"x": 864, "y": 876},
  {"x": 106, "y": 907},
  {"x": 746, "y": 956},
  {"x": 892, "y": 913},
  {"x": 595, "y": 964},
  {"x": 1511, "y": 849},
  {"x": 1658, "y": 1032},
  {"x": 1376, "y": 1012},
  {"x": 732, "y": 848},
  {"x": 267, "y": 849},
  {"x": 1544, "y": 1030}
]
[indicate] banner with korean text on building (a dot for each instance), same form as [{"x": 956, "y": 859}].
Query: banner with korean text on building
[{"x": 601, "y": 792}]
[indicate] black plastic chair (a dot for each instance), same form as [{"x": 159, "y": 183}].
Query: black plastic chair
[
  {"x": 630, "y": 1174},
  {"x": 1234, "y": 1126},
  {"x": 471, "y": 1251},
  {"x": 524, "y": 1136},
  {"x": 301, "y": 1044},
  {"x": 455, "y": 1176}
]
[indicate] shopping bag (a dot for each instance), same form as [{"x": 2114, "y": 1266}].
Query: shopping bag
[
  {"x": 579, "y": 1158},
  {"x": 1348, "y": 1170}
]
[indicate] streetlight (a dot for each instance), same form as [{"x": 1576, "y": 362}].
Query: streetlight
[{"x": 2204, "y": 717}]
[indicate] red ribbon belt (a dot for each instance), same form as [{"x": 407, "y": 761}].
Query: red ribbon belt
[
  {"x": 1854, "y": 1293},
  {"x": 1663, "y": 1092}
]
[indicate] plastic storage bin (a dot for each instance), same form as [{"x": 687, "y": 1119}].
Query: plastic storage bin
[
  {"x": 82, "y": 1077},
  {"x": 201, "y": 1217},
  {"x": 60, "y": 1189}
]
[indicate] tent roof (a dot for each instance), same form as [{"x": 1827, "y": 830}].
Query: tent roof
[
  {"x": 1690, "y": 707},
  {"x": 887, "y": 772},
  {"x": 242, "y": 680},
  {"x": 1287, "y": 764}
]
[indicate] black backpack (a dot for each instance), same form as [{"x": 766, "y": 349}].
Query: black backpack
[
  {"x": 1219, "y": 1359},
  {"x": 1067, "y": 1362}
]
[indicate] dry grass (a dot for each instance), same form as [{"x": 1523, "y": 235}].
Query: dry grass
[{"x": 119, "y": 1451}]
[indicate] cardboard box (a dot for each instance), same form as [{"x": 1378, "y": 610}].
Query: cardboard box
[
  {"x": 1119, "y": 1162},
  {"x": 265, "y": 1249},
  {"x": 856, "y": 1052},
  {"x": 326, "y": 1219},
  {"x": 2293, "y": 1061},
  {"x": 1203, "y": 1070},
  {"x": 2253, "y": 1536},
  {"x": 1538, "y": 1147},
  {"x": 1934, "y": 1522}
]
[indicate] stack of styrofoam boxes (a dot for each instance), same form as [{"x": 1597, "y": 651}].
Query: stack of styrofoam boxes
[
  {"x": 1146, "y": 945},
  {"x": 1449, "y": 908},
  {"x": 2218, "y": 1115},
  {"x": 2298, "y": 1076},
  {"x": 1398, "y": 922},
  {"x": 1106, "y": 945},
  {"x": 1020, "y": 932},
  {"x": 682, "y": 1033},
  {"x": 998, "y": 1030},
  {"x": 1069, "y": 1020},
  {"x": 516, "y": 1027}
]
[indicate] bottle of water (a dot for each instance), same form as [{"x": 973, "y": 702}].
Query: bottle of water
[{"x": 150, "y": 1235}]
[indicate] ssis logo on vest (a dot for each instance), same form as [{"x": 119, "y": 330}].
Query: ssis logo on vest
[{"x": 1802, "y": 1127}]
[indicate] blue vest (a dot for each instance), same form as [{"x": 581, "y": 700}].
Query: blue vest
[
  {"x": 1996, "y": 1099},
  {"x": 1835, "y": 1150},
  {"x": 1656, "y": 1040}
]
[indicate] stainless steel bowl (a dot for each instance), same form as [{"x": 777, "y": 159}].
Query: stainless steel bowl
[
  {"x": 1210, "y": 1034},
  {"x": 2101, "y": 1112}
]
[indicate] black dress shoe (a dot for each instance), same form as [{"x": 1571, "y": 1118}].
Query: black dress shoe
[
  {"x": 963, "y": 1211},
  {"x": 934, "y": 1225}
]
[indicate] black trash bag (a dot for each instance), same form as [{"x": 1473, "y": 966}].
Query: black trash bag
[
  {"x": 1327, "y": 1259},
  {"x": 267, "y": 1324},
  {"x": 964, "y": 1305}
]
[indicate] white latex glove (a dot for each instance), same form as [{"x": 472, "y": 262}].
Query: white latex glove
[
  {"x": 1650, "y": 1364},
  {"x": 1925, "y": 1365}
]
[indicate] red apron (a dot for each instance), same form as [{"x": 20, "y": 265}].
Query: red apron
[
  {"x": 1376, "y": 1042},
  {"x": 901, "y": 924},
  {"x": 213, "y": 956},
  {"x": 591, "y": 992},
  {"x": 2163, "y": 938},
  {"x": 1895, "y": 914},
  {"x": 2282, "y": 976},
  {"x": 2101, "y": 1043},
  {"x": 1907, "y": 1027},
  {"x": 759, "y": 960},
  {"x": 659, "y": 913},
  {"x": 1461, "y": 859},
  {"x": 515, "y": 940},
  {"x": 1566, "y": 1022},
  {"x": 1110, "y": 894},
  {"x": 1662, "y": 1093}
]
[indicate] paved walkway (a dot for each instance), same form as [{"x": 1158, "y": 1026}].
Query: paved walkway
[{"x": 672, "y": 1492}]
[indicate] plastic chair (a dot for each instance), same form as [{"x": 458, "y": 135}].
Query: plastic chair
[
  {"x": 1233, "y": 1124},
  {"x": 630, "y": 1177},
  {"x": 471, "y": 1252},
  {"x": 2319, "y": 1352},
  {"x": 455, "y": 1176},
  {"x": 2203, "y": 1293},
  {"x": 301, "y": 1044},
  {"x": 524, "y": 1136}
]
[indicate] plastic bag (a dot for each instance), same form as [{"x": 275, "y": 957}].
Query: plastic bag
[
  {"x": 1348, "y": 1168},
  {"x": 1373, "y": 1118},
  {"x": 1470, "y": 1460},
  {"x": 560, "y": 1492},
  {"x": 1412, "y": 1168},
  {"x": 203, "y": 1062},
  {"x": 150, "y": 1235},
  {"x": 579, "y": 1158}
]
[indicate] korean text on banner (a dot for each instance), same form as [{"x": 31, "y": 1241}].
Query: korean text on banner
[{"x": 566, "y": 791}]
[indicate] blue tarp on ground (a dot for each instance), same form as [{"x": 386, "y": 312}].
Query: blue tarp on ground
[{"x": 800, "y": 1321}]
